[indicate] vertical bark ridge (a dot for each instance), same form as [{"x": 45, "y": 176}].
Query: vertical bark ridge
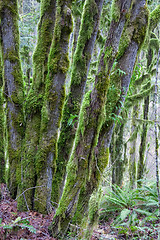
[
  {"x": 34, "y": 102},
  {"x": 58, "y": 65},
  {"x": 126, "y": 59},
  {"x": 80, "y": 67},
  {"x": 80, "y": 165},
  {"x": 13, "y": 89}
]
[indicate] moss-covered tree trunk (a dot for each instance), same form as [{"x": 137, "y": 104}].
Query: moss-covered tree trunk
[
  {"x": 58, "y": 65},
  {"x": 80, "y": 68},
  {"x": 81, "y": 164},
  {"x": 2, "y": 148},
  {"x": 115, "y": 97},
  {"x": 133, "y": 144},
  {"x": 13, "y": 89},
  {"x": 153, "y": 46},
  {"x": 142, "y": 147},
  {"x": 117, "y": 160},
  {"x": 34, "y": 102}
]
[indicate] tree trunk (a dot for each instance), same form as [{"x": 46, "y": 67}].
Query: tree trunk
[
  {"x": 116, "y": 97},
  {"x": 13, "y": 90},
  {"x": 58, "y": 65},
  {"x": 80, "y": 165},
  {"x": 133, "y": 143},
  {"x": 156, "y": 132},
  {"x": 117, "y": 160},
  {"x": 2, "y": 132},
  {"x": 34, "y": 102},
  {"x": 142, "y": 147},
  {"x": 80, "y": 67}
]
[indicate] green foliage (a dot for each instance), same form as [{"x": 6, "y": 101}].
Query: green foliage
[
  {"x": 72, "y": 120},
  {"x": 14, "y": 225},
  {"x": 135, "y": 211}
]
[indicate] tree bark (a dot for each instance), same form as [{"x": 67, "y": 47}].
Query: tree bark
[
  {"x": 13, "y": 89},
  {"x": 115, "y": 98},
  {"x": 80, "y": 165},
  {"x": 117, "y": 160},
  {"x": 58, "y": 65},
  {"x": 80, "y": 67},
  {"x": 133, "y": 144},
  {"x": 142, "y": 147},
  {"x": 2, "y": 131},
  {"x": 34, "y": 102}
]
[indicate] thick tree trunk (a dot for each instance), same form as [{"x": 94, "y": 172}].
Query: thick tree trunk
[
  {"x": 116, "y": 97},
  {"x": 80, "y": 165},
  {"x": 58, "y": 65},
  {"x": 80, "y": 67},
  {"x": 34, "y": 102},
  {"x": 13, "y": 90}
]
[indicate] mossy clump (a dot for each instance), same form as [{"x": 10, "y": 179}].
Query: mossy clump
[
  {"x": 154, "y": 18},
  {"x": 115, "y": 11}
]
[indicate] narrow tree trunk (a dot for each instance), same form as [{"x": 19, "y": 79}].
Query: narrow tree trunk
[
  {"x": 80, "y": 67},
  {"x": 80, "y": 165},
  {"x": 156, "y": 131},
  {"x": 58, "y": 65},
  {"x": 34, "y": 102},
  {"x": 117, "y": 161},
  {"x": 2, "y": 146},
  {"x": 133, "y": 143},
  {"x": 13, "y": 90},
  {"x": 142, "y": 147}
]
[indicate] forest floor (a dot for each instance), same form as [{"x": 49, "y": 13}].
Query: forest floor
[
  {"x": 15, "y": 225},
  {"x": 31, "y": 225}
]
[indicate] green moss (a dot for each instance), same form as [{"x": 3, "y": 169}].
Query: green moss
[
  {"x": 134, "y": 30},
  {"x": 115, "y": 11},
  {"x": 141, "y": 27},
  {"x": 83, "y": 118},
  {"x": 47, "y": 146},
  {"x": 154, "y": 18},
  {"x": 81, "y": 57},
  {"x": 45, "y": 36},
  {"x": 15, "y": 118},
  {"x": 140, "y": 95},
  {"x": 2, "y": 148},
  {"x": 34, "y": 102},
  {"x": 103, "y": 158},
  {"x": 125, "y": 39},
  {"x": 154, "y": 44}
]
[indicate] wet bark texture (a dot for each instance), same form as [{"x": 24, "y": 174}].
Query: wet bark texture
[
  {"x": 34, "y": 102},
  {"x": 58, "y": 65},
  {"x": 80, "y": 67},
  {"x": 13, "y": 89},
  {"x": 126, "y": 63},
  {"x": 2, "y": 132},
  {"x": 116, "y": 154},
  {"x": 133, "y": 143},
  {"x": 81, "y": 165}
]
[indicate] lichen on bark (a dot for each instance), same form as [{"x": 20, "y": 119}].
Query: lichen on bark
[
  {"x": 34, "y": 102},
  {"x": 58, "y": 64},
  {"x": 81, "y": 163},
  {"x": 13, "y": 88},
  {"x": 80, "y": 67}
]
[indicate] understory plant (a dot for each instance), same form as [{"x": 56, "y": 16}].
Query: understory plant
[
  {"x": 15, "y": 225},
  {"x": 134, "y": 211}
]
